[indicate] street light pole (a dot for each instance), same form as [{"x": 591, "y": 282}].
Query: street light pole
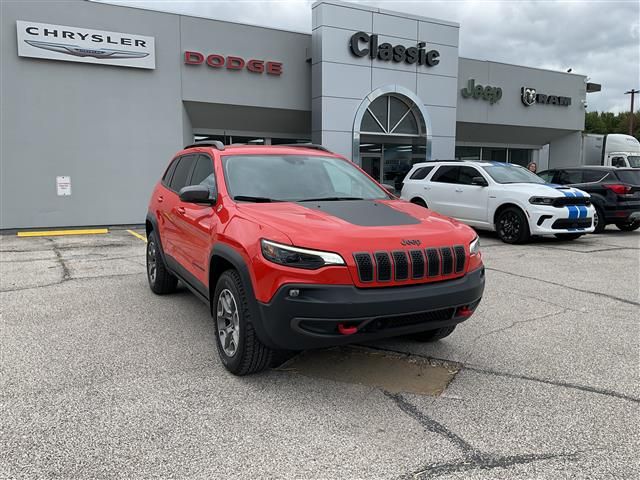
[{"x": 631, "y": 92}]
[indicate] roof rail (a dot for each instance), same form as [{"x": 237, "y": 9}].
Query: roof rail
[
  {"x": 207, "y": 143},
  {"x": 305, "y": 145}
]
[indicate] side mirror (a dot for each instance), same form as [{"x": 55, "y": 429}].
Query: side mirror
[
  {"x": 198, "y": 194},
  {"x": 480, "y": 181}
]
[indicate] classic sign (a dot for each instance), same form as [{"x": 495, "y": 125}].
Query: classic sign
[
  {"x": 529, "y": 96},
  {"x": 388, "y": 52},
  {"x": 233, "y": 63},
  {"x": 492, "y": 94},
  {"x": 76, "y": 44}
]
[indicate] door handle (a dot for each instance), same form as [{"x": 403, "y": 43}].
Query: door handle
[
  {"x": 427, "y": 188},
  {"x": 459, "y": 190},
  {"x": 160, "y": 199},
  {"x": 181, "y": 210}
]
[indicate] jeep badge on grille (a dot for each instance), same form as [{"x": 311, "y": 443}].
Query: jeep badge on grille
[{"x": 411, "y": 242}]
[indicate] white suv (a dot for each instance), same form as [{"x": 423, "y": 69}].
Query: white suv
[{"x": 501, "y": 197}]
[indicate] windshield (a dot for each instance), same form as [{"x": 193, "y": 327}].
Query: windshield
[
  {"x": 634, "y": 161},
  {"x": 296, "y": 178},
  {"x": 508, "y": 173},
  {"x": 631, "y": 177}
]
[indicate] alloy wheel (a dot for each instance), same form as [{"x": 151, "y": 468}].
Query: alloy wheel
[
  {"x": 152, "y": 261},
  {"x": 509, "y": 226},
  {"x": 228, "y": 322}
]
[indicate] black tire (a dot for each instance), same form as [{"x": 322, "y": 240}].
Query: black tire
[
  {"x": 434, "y": 335},
  {"x": 598, "y": 220},
  {"x": 250, "y": 354},
  {"x": 161, "y": 281},
  {"x": 628, "y": 226},
  {"x": 568, "y": 236},
  {"x": 419, "y": 201},
  {"x": 512, "y": 226}
]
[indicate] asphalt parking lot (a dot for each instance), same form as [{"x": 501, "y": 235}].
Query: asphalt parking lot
[{"x": 103, "y": 379}]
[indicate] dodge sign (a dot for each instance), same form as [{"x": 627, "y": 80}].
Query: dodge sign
[{"x": 76, "y": 44}]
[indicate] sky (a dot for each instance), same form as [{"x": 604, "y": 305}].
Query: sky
[{"x": 599, "y": 39}]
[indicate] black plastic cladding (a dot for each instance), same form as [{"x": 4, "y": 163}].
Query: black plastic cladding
[{"x": 383, "y": 264}]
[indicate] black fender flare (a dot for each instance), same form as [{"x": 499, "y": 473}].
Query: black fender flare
[
  {"x": 154, "y": 224},
  {"x": 232, "y": 256}
]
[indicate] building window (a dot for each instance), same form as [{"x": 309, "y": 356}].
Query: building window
[
  {"x": 467, "y": 153},
  {"x": 520, "y": 156},
  {"x": 494, "y": 154}
]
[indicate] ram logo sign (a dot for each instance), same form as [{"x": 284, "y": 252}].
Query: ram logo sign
[{"x": 76, "y": 44}]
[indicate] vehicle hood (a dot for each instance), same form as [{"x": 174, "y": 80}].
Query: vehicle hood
[
  {"x": 546, "y": 189},
  {"x": 359, "y": 225}
]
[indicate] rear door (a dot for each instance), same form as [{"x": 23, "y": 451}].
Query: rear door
[
  {"x": 172, "y": 233},
  {"x": 439, "y": 192},
  {"x": 415, "y": 184}
]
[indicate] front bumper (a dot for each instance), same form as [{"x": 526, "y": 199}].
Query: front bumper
[
  {"x": 548, "y": 220},
  {"x": 316, "y": 316}
]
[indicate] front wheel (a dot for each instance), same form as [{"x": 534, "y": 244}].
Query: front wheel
[
  {"x": 240, "y": 349},
  {"x": 599, "y": 223},
  {"x": 512, "y": 226},
  {"x": 568, "y": 236},
  {"x": 628, "y": 226}
]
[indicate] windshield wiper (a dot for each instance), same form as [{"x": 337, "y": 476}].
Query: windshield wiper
[
  {"x": 248, "y": 198},
  {"x": 329, "y": 199}
]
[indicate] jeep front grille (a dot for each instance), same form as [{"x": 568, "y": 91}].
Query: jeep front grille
[{"x": 416, "y": 264}]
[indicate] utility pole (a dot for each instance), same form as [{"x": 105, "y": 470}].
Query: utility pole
[{"x": 631, "y": 92}]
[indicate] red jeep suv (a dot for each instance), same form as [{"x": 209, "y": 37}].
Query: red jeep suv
[{"x": 294, "y": 247}]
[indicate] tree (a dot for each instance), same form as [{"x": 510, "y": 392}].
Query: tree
[{"x": 607, "y": 122}]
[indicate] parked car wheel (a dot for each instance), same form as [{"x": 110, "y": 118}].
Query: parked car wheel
[
  {"x": 568, "y": 236},
  {"x": 160, "y": 280},
  {"x": 598, "y": 220},
  {"x": 628, "y": 226},
  {"x": 512, "y": 226},
  {"x": 239, "y": 348},
  {"x": 434, "y": 335},
  {"x": 419, "y": 201}
]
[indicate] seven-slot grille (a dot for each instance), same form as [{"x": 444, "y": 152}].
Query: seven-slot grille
[{"x": 403, "y": 265}]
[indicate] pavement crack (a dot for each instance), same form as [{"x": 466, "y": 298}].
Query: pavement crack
[
  {"x": 66, "y": 273},
  {"x": 517, "y": 322},
  {"x": 74, "y": 279},
  {"x": 599, "y": 294}
]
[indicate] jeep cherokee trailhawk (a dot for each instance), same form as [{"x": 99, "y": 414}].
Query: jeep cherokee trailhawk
[{"x": 294, "y": 247}]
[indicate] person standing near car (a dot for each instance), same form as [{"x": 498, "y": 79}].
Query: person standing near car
[{"x": 533, "y": 167}]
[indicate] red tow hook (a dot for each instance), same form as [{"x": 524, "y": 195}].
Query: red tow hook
[
  {"x": 344, "y": 330},
  {"x": 464, "y": 312}
]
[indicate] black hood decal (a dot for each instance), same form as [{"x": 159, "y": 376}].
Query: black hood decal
[{"x": 366, "y": 213}]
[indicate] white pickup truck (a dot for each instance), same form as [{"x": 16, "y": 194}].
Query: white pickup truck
[{"x": 500, "y": 197}]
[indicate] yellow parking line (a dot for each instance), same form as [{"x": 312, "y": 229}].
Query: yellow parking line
[
  {"x": 56, "y": 233},
  {"x": 136, "y": 234}
]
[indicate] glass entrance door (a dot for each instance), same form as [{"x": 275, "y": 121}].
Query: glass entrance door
[{"x": 389, "y": 162}]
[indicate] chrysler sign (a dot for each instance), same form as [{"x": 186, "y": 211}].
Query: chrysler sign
[{"x": 76, "y": 44}]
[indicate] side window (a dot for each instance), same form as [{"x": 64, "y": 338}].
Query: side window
[
  {"x": 590, "y": 176},
  {"x": 446, "y": 174},
  {"x": 466, "y": 175},
  {"x": 181, "y": 175},
  {"x": 203, "y": 172},
  {"x": 420, "y": 173},
  {"x": 566, "y": 177},
  {"x": 547, "y": 176},
  {"x": 618, "y": 162},
  {"x": 166, "y": 178}
]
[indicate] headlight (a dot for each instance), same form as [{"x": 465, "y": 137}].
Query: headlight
[
  {"x": 474, "y": 246},
  {"x": 298, "y": 257},
  {"x": 542, "y": 200}
]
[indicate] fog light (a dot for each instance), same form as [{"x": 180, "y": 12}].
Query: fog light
[{"x": 294, "y": 292}]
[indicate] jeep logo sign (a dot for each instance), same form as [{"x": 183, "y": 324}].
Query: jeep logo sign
[
  {"x": 363, "y": 44},
  {"x": 529, "y": 96},
  {"x": 492, "y": 94},
  {"x": 76, "y": 44}
]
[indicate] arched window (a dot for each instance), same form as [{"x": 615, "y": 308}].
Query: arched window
[{"x": 391, "y": 115}]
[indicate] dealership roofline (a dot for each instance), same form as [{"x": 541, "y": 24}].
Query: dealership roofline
[{"x": 523, "y": 66}]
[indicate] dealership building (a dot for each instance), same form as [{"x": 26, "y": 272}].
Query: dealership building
[{"x": 96, "y": 98}]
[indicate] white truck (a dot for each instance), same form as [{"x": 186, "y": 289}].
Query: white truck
[{"x": 614, "y": 149}]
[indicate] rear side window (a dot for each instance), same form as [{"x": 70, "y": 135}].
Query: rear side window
[
  {"x": 420, "y": 173},
  {"x": 589, "y": 176},
  {"x": 203, "y": 172},
  {"x": 631, "y": 177},
  {"x": 566, "y": 177},
  {"x": 446, "y": 174},
  {"x": 181, "y": 175},
  {"x": 166, "y": 178}
]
